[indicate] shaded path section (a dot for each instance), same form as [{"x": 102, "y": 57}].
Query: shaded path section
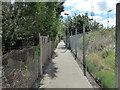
[{"x": 63, "y": 71}]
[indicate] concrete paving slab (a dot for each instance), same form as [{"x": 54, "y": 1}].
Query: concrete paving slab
[{"x": 63, "y": 71}]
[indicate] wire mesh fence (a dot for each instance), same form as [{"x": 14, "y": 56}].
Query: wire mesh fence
[
  {"x": 99, "y": 52},
  {"x": 100, "y": 56},
  {"x": 22, "y": 67},
  {"x": 76, "y": 45}
]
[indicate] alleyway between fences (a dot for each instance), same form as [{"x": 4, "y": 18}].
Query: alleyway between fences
[{"x": 63, "y": 71}]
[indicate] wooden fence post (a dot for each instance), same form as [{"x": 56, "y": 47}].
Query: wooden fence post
[
  {"x": 117, "y": 63},
  {"x": 40, "y": 58},
  {"x": 84, "y": 60}
]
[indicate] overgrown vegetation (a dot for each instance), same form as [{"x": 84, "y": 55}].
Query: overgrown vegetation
[
  {"x": 22, "y": 21},
  {"x": 100, "y": 56}
]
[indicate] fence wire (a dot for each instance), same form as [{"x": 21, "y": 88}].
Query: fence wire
[
  {"x": 22, "y": 67},
  {"x": 99, "y": 48},
  {"x": 76, "y": 46}
]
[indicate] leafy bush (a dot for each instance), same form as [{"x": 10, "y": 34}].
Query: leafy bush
[
  {"x": 21, "y": 26},
  {"x": 107, "y": 78}
]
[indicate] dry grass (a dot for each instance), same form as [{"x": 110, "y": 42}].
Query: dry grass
[{"x": 100, "y": 50}]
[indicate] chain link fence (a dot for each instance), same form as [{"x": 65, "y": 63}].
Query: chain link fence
[
  {"x": 22, "y": 67},
  {"x": 96, "y": 54}
]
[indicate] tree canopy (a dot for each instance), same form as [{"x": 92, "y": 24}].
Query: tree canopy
[
  {"x": 22, "y": 21},
  {"x": 77, "y": 23}
]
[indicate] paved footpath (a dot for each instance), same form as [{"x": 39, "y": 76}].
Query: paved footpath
[{"x": 63, "y": 71}]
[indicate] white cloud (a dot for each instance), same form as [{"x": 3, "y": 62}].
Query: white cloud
[
  {"x": 81, "y": 14},
  {"x": 71, "y": 10},
  {"x": 12, "y": 1},
  {"x": 112, "y": 22},
  {"x": 99, "y": 7},
  {"x": 78, "y": 4},
  {"x": 97, "y": 18},
  {"x": 70, "y": 2}
]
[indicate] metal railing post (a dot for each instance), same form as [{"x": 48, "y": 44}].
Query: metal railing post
[
  {"x": 76, "y": 43},
  {"x": 84, "y": 60},
  {"x": 117, "y": 61}
]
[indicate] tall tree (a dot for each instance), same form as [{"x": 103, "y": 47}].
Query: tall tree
[
  {"x": 78, "y": 21},
  {"x": 22, "y": 21}
]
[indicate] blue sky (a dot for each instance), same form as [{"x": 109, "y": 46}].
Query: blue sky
[{"x": 99, "y": 7}]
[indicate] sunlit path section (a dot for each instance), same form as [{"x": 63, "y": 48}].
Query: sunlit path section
[{"x": 63, "y": 71}]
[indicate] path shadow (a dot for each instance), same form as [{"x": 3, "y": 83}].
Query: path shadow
[
  {"x": 54, "y": 55},
  {"x": 62, "y": 47},
  {"x": 50, "y": 69},
  {"x": 64, "y": 51}
]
